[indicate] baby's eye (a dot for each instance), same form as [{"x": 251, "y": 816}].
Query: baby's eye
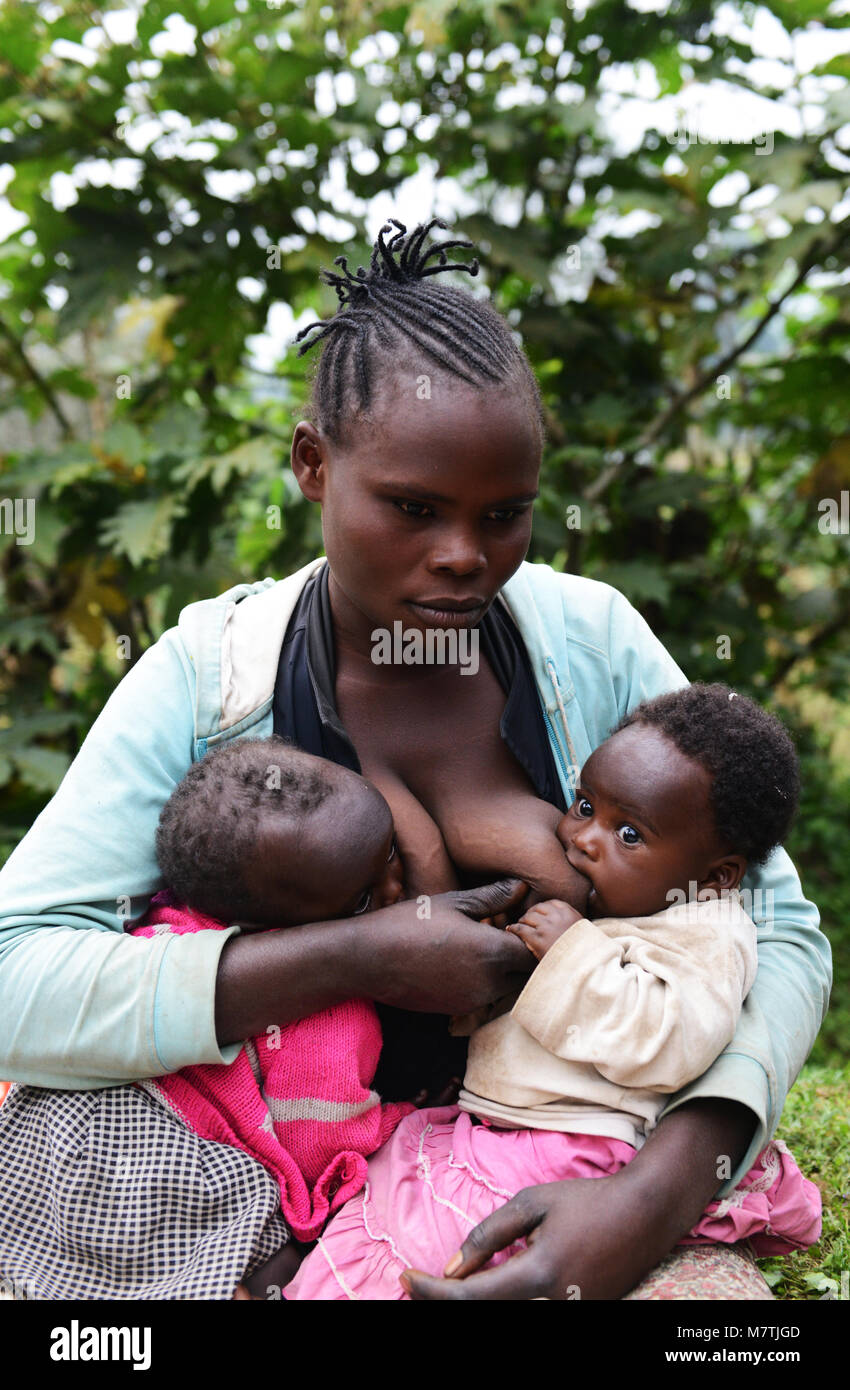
[
  {"x": 364, "y": 903},
  {"x": 583, "y": 806},
  {"x": 629, "y": 835},
  {"x": 393, "y": 850}
]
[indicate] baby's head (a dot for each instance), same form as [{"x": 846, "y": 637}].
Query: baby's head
[
  {"x": 263, "y": 834},
  {"x": 692, "y": 787}
]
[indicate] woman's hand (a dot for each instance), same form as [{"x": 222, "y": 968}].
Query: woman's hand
[
  {"x": 428, "y": 954},
  {"x": 587, "y": 1239},
  {"x": 434, "y": 955},
  {"x": 596, "y": 1238}
]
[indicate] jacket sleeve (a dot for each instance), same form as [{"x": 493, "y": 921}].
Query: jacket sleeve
[
  {"x": 82, "y": 1005},
  {"x": 786, "y": 1006},
  {"x": 648, "y": 1009}
]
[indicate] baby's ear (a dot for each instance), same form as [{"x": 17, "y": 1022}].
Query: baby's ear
[{"x": 725, "y": 874}]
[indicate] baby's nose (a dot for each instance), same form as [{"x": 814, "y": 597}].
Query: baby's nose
[{"x": 391, "y": 888}]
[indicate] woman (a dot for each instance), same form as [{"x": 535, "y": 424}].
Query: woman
[{"x": 424, "y": 453}]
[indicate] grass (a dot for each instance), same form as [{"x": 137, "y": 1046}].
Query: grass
[{"x": 816, "y": 1127}]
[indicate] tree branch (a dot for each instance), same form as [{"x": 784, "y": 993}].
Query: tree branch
[
  {"x": 35, "y": 376},
  {"x": 818, "y": 250},
  {"x": 717, "y": 369},
  {"x": 837, "y": 624}
]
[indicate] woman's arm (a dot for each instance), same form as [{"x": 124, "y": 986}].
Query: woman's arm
[
  {"x": 597, "y": 1238},
  {"x": 83, "y": 1005},
  {"x": 787, "y": 1003},
  {"x": 445, "y": 962}
]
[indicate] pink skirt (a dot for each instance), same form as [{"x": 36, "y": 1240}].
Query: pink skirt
[{"x": 441, "y": 1173}]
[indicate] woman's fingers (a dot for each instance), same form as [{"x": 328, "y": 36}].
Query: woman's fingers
[
  {"x": 491, "y": 898},
  {"x": 519, "y": 1279},
  {"x": 501, "y": 1228}
]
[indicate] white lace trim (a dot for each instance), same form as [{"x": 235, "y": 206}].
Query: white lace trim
[
  {"x": 479, "y": 1177},
  {"x": 423, "y": 1172},
  {"x": 349, "y": 1292},
  {"x": 385, "y": 1238},
  {"x": 771, "y": 1163}
]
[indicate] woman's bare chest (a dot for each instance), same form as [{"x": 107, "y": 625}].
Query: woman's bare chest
[
  {"x": 464, "y": 809},
  {"x": 442, "y": 738}
]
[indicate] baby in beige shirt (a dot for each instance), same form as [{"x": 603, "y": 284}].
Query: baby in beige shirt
[
  {"x": 638, "y": 995},
  {"x": 630, "y": 1000}
]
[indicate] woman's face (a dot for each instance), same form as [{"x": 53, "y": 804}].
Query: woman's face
[{"x": 427, "y": 512}]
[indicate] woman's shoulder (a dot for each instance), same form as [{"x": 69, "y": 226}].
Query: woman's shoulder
[
  {"x": 232, "y": 643},
  {"x": 566, "y": 605},
  {"x": 244, "y": 613}
]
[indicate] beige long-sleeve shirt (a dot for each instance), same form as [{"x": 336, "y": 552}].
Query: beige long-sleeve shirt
[{"x": 618, "y": 1014}]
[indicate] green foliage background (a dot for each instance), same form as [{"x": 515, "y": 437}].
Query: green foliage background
[{"x": 694, "y": 361}]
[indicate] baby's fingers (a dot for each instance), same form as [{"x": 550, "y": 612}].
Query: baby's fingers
[{"x": 529, "y": 936}]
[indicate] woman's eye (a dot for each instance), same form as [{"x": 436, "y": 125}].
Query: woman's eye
[
  {"x": 364, "y": 903},
  {"x": 508, "y": 514},
  {"x": 629, "y": 835},
  {"x": 417, "y": 511}
]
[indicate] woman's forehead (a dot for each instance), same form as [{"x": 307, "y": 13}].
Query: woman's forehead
[{"x": 489, "y": 431}]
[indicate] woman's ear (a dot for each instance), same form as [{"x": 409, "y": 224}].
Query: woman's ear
[
  {"x": 307, "y": 460},
  {"x": 723, "y": 875}
]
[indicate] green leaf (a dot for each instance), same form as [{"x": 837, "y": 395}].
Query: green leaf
[
  {"x": 255, "y": 457},
  {"x": 142, "y": 530},
  {"x": 177, "y": 430},
  {"x": 124, "y": 441},
  {"x": 41, "y": 768},
  {"x": 639, "y": 580}
]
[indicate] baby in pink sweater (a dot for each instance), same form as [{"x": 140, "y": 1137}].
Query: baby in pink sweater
[{"x": 262, "y": 835}]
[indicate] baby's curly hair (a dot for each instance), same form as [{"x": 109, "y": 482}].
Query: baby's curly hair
[
  {"x": 748, "y": 752},
  {"x": 208, "y": 827}
]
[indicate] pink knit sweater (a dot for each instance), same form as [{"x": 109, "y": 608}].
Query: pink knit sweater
[{"x": 297, "y": 1098}]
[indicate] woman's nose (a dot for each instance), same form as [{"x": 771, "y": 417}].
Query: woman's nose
[{"x": 461, "y": 553}]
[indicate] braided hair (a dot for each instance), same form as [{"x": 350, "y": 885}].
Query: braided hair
[{"x": 395, "y": 303}]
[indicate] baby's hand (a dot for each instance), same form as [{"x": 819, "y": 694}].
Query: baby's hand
[{"x": 541, "y": 926}]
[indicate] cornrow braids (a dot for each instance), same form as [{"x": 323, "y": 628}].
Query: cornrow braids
[{"x": 395, "y": 304}]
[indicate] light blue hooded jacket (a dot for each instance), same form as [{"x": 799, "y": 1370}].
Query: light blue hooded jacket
[{"x": 82, "y": 1005}]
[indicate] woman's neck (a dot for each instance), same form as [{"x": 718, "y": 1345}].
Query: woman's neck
[{"x": 354, "y": 640}]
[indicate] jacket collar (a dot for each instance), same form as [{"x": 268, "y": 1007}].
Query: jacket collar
[{"x": 235, "y": 646}]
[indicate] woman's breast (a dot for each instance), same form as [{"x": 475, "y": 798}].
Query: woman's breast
[{"x": 465, "y": 810}]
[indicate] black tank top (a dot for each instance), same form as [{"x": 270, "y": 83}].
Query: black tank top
[{"x": 418, "y": 1050}]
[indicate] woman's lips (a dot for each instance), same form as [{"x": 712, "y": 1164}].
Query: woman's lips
[{"x": 448, "y": 617}]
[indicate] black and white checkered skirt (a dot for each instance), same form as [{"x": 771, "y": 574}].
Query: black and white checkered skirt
[{"x": 110, "y": 1195}]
